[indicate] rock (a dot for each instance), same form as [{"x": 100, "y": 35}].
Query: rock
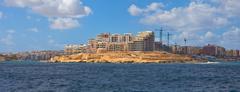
[{"x": 125, "y": 57}]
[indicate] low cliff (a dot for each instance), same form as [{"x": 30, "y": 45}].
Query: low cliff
[
  {"x": 7, "y": 57},
  {"x": 125, "y": 57},
  {"x": 2, "y": 58}
]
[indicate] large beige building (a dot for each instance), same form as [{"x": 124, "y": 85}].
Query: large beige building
[
  {"x": 233, "y": 53},
  {"x": 144, "y": 41},
  {"x": 136, "y": 46}
]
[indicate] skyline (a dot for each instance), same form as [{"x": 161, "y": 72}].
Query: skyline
[{"x": 39, "y": 25}]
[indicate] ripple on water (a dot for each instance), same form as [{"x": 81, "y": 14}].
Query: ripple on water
[{"x": 83, "y": 77}]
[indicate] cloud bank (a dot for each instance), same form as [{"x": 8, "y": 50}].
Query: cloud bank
[
  {"x": 199, "y": 21},
  {"x": 59, "y": 12}
]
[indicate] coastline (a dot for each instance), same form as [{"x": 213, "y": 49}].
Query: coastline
[
  {"x": 126, "y": 57},
  {"x": 121, "y": 57}
]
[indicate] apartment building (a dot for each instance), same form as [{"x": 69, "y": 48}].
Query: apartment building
[{"x": 144, "y": 41}]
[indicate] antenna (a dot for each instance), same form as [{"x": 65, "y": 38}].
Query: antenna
[
  {"x": 185, "y": 40},
  {"x": 186, "y": 48}
]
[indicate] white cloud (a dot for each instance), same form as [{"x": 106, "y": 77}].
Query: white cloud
[
  {"x": 209, "y": 35},
  {"x": 199, "y": 15},
  {"x": 201, "y": 22},
  {"x": 211, "y": 38},
  {"x": 231, "y": 38},
  {"x": 195, "y": 17},
  {"x": 53, "y": 8},
  {"x": 232, "y": 35},
  {"x": 228, "y": 39},
  {"x": 135, "y": 11},
  {"x": 7, "y": 40},
  {"x": 53, "y": 43},
  {"x": 34, "y": 30},
  {"x": 229, "y": 7},
  {"x": 58, "y": 9},
  {"x": 11, "y": 31},
  {"x": 192, "y": 38},
  {"x": 64, "y": 23},
  {"x": 62, "y": 8},
  {"x": 23, "y": 3},
  {"x": 188, "y": 36},
  {"x": 29, "y": 17},
  {"x": 1, "y": 15},
  {"x": 154, "y": 6}
]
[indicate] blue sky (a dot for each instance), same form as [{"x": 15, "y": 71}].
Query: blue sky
[{"x": 50, "y": 24}]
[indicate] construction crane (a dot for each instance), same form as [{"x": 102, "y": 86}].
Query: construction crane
[
  {"x": 160, "y": 34},
  {"x": 160, "y": 37},
  {"x": 168, "y": 38}
]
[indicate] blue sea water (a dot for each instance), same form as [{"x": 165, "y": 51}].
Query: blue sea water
[{"x": 103, "y": 77}]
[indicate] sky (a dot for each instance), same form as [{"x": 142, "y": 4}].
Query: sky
[{"x": 27, "y": 25}]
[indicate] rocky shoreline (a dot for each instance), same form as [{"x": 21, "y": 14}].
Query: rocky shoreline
[
  {"x": 5, "y": 58},
  {"x": 126, "y": 57}
]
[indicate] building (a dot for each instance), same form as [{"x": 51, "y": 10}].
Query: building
[
  {"x": 38, "y": 55},
  {"x": 236, "y": 53},
  {"x": 136, "y": 46},
  {"x": 102, "y": 45},
  {"x": 144, "y": 41},
  {"x": 213, "y": 50},
  {"x": 117, "y": 47},
  {"x": 148, "y": 39},
  {"x": 158, "y": 46},
  {"x": 191, "y": 50},
  {"x": 220, "y": 51},
  {"x": 127, "y": 37},
  {"x": 176, "y": 49},
  {"x": 74, "y": 49},
  {"x": 209, "y": 50},
  {"x": 103, "y": 37},
  {"x": 115, "y": 38},
  {"x": 229, "y": 53},
  {"x": 233, "y": 53},
  {"x": 92, "y": 45}
]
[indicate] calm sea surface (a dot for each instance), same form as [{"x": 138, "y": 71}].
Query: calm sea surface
[{"x": 87, "y": 77}]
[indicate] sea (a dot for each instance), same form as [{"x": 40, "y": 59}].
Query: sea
[{"x": 30, "y": 76}]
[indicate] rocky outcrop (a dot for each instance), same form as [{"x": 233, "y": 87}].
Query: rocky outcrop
[
  {"x": 2, "y": 58},
  {"x": 124, "y": 57},
  {"x": 7, "y": 57}
]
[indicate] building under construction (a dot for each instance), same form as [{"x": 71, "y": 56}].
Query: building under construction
[{"x": 143, "y": 41}]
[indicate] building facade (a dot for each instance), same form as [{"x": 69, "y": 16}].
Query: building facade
[
  {"x": 74, "y": 49},
  {"x": 213, "y": 50},
  {"x": 144, "y": 41}
]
